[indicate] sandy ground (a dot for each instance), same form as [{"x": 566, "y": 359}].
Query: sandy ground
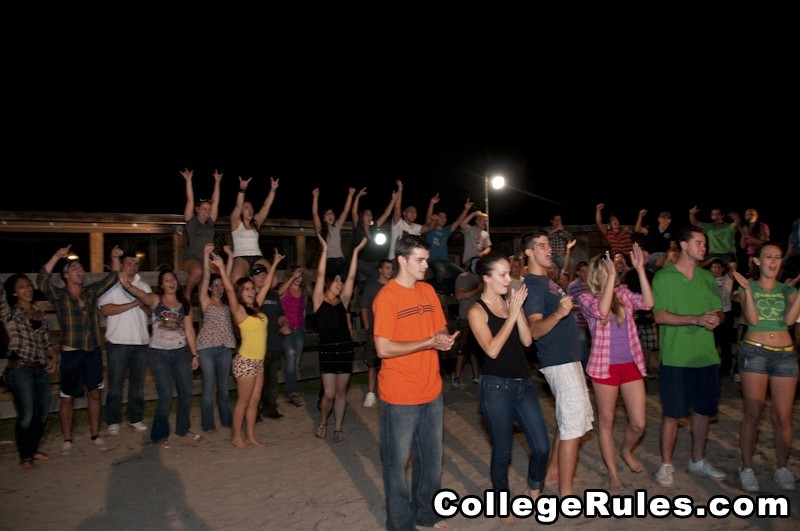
[{"x": 299, "y": 482}]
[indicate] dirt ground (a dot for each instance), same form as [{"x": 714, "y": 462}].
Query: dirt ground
[{"x": 299, "y": 482}]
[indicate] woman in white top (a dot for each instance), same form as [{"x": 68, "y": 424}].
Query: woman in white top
[
  {"x": 245, "y": 226},
  {"x": 331, "y": 232}
]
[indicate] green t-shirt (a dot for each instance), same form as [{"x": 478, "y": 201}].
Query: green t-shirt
[
  {"x": 690, "y": 345},
  {"x": 770, "y": 306},
  {"x": 720, "y": 239}
]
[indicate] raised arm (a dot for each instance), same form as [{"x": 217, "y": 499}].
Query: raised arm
[
  {"x": 283, "y": 288},
  {"x": 398, "y": 200},
  {"x": 237, "y": 311},
  {"x": 263, "y": 212},
  {"x": 347, "y": 290},
  {"x": 737, "y": 221},
  {"x": 261, "y": 296},
  {"x": 429, "y": 214},
  {"x": 347, "y": 204},
  {"x": 315, "y": 209},
  {"x": 598, "y": 218},
  {"x": 236, "y": 214},
  {"x": 693, "y": 217},
  {"x": 466, "y": 219},
  {"x": 188, "y": 210},
  {"x": 354, "y": 210},
  {"x": 319, "y": 286},
  {"x": 607, "y": 295},
  {"x": 638, "y": 227},
  {"x": 387, "y": 212},
  {"x": 461, "y": 217},
  {"x": 638, "y": 262},
  {"x": 215, "y": 196},
  {"x": 205, "y": 280}
]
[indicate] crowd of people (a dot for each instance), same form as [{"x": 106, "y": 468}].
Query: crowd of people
[{"x": 659, "y": 302}]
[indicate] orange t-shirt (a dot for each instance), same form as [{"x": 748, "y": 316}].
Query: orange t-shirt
[{"x": 409, "y": 314}]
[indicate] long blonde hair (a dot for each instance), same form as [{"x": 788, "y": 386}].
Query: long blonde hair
[{"x": 598, "y": 274}]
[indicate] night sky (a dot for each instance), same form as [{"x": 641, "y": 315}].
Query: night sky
[{"x": 138, "y": 172}]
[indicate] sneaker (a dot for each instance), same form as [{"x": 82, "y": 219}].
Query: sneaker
[
  {"x": 704, "y": 469},
  {"x": 737, "y": 378},
  {"x": 138, "y": 426},
  {"x": 476, "y": 381},
  {"x": 456, "y": 381},
  {"x": 664, "y": 475},
  {"x": 113, "y": 429},
  {"x": 748, "y": 480},
  {"x": 66, "y": 447},
  {"x": 369, "y": 400},
  {"x": 785, "y": 478},
  {"x": 100, "y": 443}
]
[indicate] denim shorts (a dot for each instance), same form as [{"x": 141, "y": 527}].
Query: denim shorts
[{"x": 763, "y": 361}]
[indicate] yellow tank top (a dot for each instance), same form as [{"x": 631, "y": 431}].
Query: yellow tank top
[{"x": 254, "y": 337}]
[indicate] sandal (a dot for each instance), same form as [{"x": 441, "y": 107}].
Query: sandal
[
  {"x": 321, "y": 431},
  {"x": 193, "y": 436},
  {"x": 164, "y": 444},
  {"x": 41, "y": 456},
  {"x": 27, "y": 464},
  {"x": 338, "y": 436}
]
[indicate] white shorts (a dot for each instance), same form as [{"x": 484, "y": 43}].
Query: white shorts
[{"x": 574, "y": 413}]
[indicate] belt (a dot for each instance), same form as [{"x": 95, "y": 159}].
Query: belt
[
  {"x": 18, "y": 364},
  {"x": 767, "y": 347}
]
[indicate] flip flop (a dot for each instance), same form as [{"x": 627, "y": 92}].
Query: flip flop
[
  {"x": 41, "y": 456},
  {"x": 321, "y": 431}
]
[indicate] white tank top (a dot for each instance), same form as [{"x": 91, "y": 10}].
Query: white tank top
[{"x": 245, "y": 242}]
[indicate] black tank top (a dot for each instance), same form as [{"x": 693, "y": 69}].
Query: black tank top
[{"x": 511, "y": 362}]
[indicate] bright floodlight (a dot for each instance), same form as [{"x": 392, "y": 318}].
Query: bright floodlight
[
  {"x": 498, "y": 181},
  {"x": 380, "y": 238}
]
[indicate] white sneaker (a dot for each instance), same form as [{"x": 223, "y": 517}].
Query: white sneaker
[
  {"x": 785, "y": 478},
  {"x": 113, "y": 429},
  {"x": 476, "y": 381},
  {"x": 370, "y": 400},
  {"x": 748, "y": 480},
  {"x": 138, "y": 426},
  {"x": 456, "y": 381},
  {"x": 664, "y": 475},
  {"x": 66, "y": 447},
  {"x": 100, "y": 443},
  {"x": 704, "y": 469},
  {"x": 737, "y": 378}
]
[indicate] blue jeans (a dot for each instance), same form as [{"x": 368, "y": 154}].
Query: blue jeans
[
  {"x": 134, "y": 359},
  {"x": 292, "y": 346},
  {"x": 405, "y": 430},
  {"x": 444, "y": 275},
  {"x": 215, "y": 365},
  {"x": 171, "y": 369},
  {"x": 503, "y": 401},
  {"x": 30, "y": 387}
]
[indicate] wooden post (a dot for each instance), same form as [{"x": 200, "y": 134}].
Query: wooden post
[
  {"x": 300, "y": 250},
  {"x": 96, "y": 262}
]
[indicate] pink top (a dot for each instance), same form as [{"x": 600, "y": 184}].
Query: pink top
[
  {"x": 600, "y": 355},
  {"x": 295, "y": 309}
]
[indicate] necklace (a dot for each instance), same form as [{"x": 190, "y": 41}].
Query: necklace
[{"x": 487, "y": 301}]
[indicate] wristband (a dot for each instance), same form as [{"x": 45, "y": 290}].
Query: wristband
[{"x": 242, "y": 190}]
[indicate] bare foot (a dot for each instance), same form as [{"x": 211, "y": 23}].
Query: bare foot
[
  {"x": 238, "y": 443},
  {"x": 509, "y": 521},
  {"x": 441, "y": 524},
  {"x": 615, "y": 484},
  {"x": 551, "y": 481},
  {"x": 27, "y": 464},
  {"x": 254, "y": 442},
  {"x": 632, "y": 462}
]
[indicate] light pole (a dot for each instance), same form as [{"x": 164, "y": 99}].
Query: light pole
[{"x": 498, "y": 181}]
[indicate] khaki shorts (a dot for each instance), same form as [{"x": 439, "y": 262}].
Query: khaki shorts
[{"x": 574, "y": 413}]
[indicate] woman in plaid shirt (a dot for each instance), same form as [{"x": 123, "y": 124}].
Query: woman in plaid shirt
[
  {"x": 616, "y": 364},
  {"x": 32, "y": 359}
]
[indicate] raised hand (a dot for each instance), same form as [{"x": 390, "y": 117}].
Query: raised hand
[
  {"x": 315, "y": 192},
  {"x": 360, "y": 245},
  {"x": 277, "y": 257},
  {"x": 362, "y": 192},
  {"x": 608, "y": 263},
  {"x": 64, "y": 251},
  {"x": 435, "y": 199},
  {"x": 217, "y": 175},
  {"x": 244, "y": 183},
  {"x": 637, "y": 258},
  {"x": 468, "y": 204},
  {"x": 187, "y": 173},
  {"x": 273, "y": 183}
]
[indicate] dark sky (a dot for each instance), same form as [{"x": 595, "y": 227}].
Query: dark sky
[{"x": 113, "y": 169}]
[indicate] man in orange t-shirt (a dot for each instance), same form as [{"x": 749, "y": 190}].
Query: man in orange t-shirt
[{"x": 409, "y": 328}]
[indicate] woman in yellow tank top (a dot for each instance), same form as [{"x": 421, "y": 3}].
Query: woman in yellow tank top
[{"x": 248, "y": 363}]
